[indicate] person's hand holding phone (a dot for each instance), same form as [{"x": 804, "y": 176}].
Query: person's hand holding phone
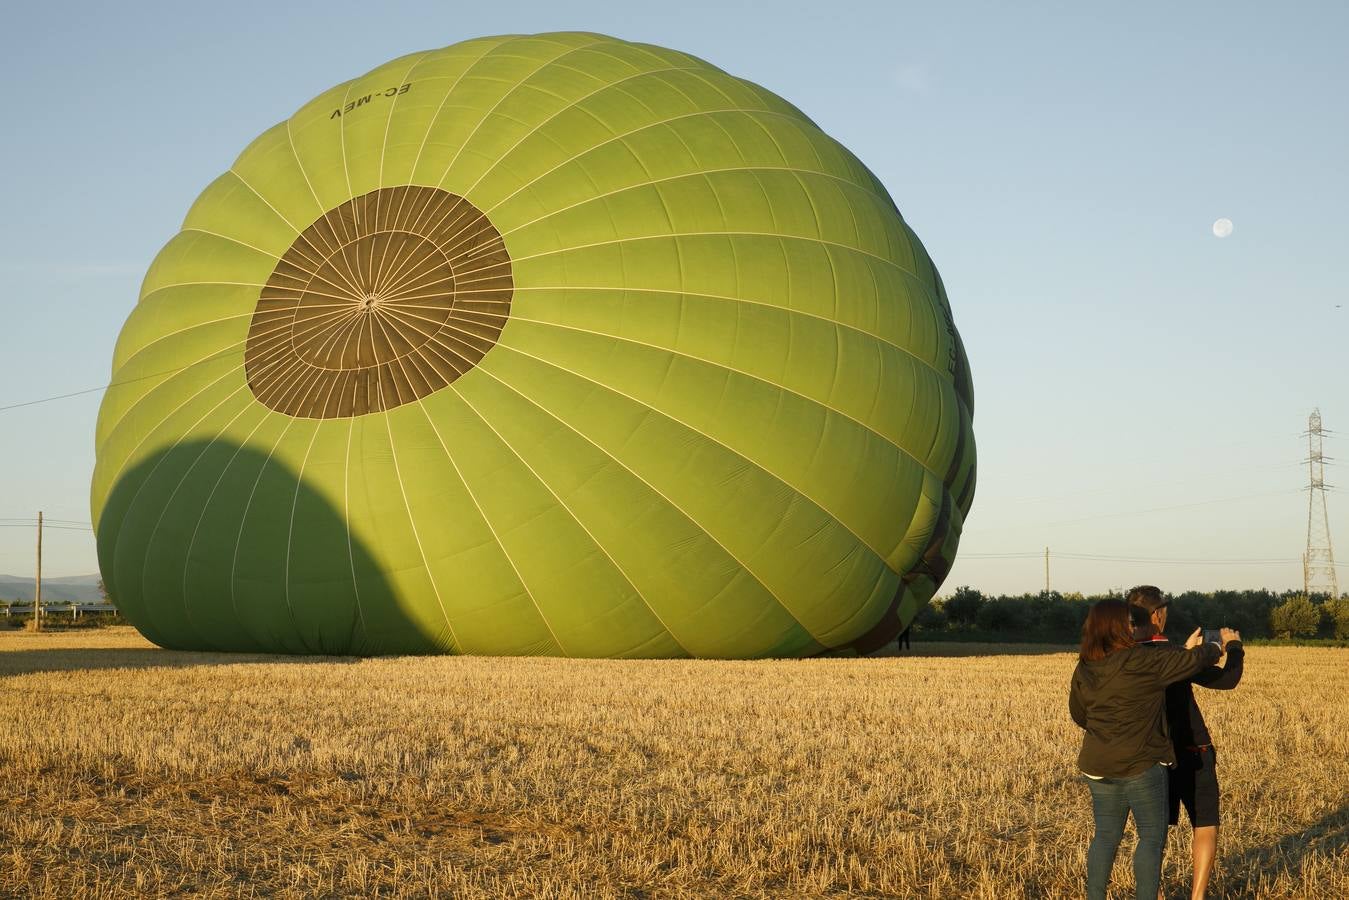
[
  {"x": 1195, "y": 639},
  {"x": 1229, "y": 635}
]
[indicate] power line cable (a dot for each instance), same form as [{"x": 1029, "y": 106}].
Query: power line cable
[
  {"x": 1145, "y": 560},
  {"x": 112, "y": 384},
  {"x": 45, "y": 527}
]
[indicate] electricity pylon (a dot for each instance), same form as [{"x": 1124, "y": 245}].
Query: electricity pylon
[{"x": 1318, "y": 563}]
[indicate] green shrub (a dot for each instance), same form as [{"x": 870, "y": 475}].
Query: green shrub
[
  {"x": 1295, "y": 617},
  {"x": 1003, "y": 614},
  {"x": 963, "y": 606},
  {"x": 1337, "y": 612},
  {"x": 931, "y": 617}
]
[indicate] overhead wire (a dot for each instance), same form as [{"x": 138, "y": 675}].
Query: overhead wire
[
  {"x": 47, "y": 524},
  {"x": 1145, "y": 560},
  {"x": 112, "y": 384}
]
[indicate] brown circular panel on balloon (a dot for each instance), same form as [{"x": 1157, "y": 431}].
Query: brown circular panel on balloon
[{"x": 386, "y": 298}]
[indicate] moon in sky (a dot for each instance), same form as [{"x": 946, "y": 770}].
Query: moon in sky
[{"x": 1222, "y": 228}]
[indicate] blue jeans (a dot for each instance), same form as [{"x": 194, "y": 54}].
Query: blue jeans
[{"x": 1112, "y": 799}]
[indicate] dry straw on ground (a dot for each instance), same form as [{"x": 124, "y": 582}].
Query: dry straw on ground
[{"x": 131, "y": 771}]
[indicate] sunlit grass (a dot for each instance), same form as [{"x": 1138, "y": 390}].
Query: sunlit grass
[{"x": 132, "y": 771}]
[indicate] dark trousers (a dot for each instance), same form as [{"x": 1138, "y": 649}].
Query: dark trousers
[{"x": 1112, "y": 799}]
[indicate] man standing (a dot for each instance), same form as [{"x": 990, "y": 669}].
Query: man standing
[{"x": 1194, "y": 780}]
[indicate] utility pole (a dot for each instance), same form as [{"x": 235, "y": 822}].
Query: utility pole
[
  {"x": 37, "y": 593},
  {"x": 1318, "y": 563},
  {"x": 1046, "y": 570}
]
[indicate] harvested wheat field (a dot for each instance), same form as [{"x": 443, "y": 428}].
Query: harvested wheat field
[{"x": 133, "y": 771}]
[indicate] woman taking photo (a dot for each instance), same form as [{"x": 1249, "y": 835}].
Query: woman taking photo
[{"x": 1118, "y": 695}]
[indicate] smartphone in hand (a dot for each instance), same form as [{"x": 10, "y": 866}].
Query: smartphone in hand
[{"x": 1213, "y": 636}]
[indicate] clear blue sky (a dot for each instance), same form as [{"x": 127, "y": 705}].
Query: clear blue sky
[{"x": 1140, "y": 384}]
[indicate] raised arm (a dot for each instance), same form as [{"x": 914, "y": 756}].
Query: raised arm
[
  {"x": 1168, "y": 668},
  {"x": 1226, "y": 678}
]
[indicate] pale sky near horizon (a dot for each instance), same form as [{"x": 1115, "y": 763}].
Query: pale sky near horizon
[{"x": 1140, "y": 384}]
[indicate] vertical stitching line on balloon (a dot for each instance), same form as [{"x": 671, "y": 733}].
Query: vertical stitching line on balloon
[
  {"x": 704, "y": 173},
  {"x": 299, "y": 163},
  {"x": 159, "y": 520},
  {"x": 787, "y": 310},
  {"x": 230, "y": 350},
  {"x": 556, "y": 496},
  {"x": 576, "y": 103},
  {"x": 823, "y": 404},
  {"x": 257, "y": 193},
  {"x": 341, "y": 141},
  {"x": 150, "y": 432},
  {"x": 187, "y": 561},
  {"x": 290, "y": 534},
  {"x": 519, "y": 576},
  {"x": 351, "y": 332},
  {"x": 384, "y": 145},
  {"x": 627, "y": 134},
  {"x": 728, "y": 233},
  {"x": 332, "y": 387},
  {"x": 351, "y": 551},
  {"x": 346, "y": 488},
  {"x": 412, "y": 521},
  {"x": 377, "y": 271},
  {"x": 675, "y": 506},
  {"x": 233, "y": 240},
  {"x": 342, "y": 145},
  {"x": 346, "y": 175},
  {"x": 439, "y": 211},
  {"x": 388, "y": 121},
  {"x": 490, "y": 526},
  {"x": 654, "y": 490},
  {"x": 299, "y": 232},
  {"x": 538, "y": 128},
  {"x": 126, "y": 461},
  {"x": 131, "y": 455},
  {"x": 502, "y": 99},
  {"x": 431, "y": 124},
  {"x": 568, "y": 105},
  {"x": 122, "y": 468},
  {"x": 169, "y": 377},
  {"x": 243, "y": 520},
  {"x": 327, "y": 321},
  {"x": 695, "y": 430}
]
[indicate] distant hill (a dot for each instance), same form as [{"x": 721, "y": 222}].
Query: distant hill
[{"x": 80, "y": 588}]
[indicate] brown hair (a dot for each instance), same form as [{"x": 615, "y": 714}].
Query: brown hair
[
  {"x": 1146, "y": 596},
  {"x": 1106, "y": 630}
]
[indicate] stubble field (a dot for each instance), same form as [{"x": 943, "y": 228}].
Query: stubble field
[{"x": 132, "y": 771}]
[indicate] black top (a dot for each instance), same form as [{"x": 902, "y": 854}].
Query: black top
[
  {"x": 1183, "y": 718},
  {"x": 1121, "y": 702}
]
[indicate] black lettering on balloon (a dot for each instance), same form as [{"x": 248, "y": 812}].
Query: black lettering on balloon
[{"x": 338, "y": 112}]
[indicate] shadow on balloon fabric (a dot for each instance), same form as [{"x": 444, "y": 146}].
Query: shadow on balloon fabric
[{"x": 209, "y": 545}]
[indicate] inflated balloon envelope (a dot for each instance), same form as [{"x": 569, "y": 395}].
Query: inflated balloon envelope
[{"x": 548, "y": 344}]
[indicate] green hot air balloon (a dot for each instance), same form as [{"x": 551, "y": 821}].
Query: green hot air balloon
[{"x": 548, "y": 344}]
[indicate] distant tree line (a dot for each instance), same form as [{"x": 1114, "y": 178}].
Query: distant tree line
[{"x": 1054, "y": 617}]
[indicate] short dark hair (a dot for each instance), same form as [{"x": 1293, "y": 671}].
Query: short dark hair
[
  {"x": 1148, "y": 597},
  {"x": 1140, "y": 616},
  {"x": 1106, "y": 630}
]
